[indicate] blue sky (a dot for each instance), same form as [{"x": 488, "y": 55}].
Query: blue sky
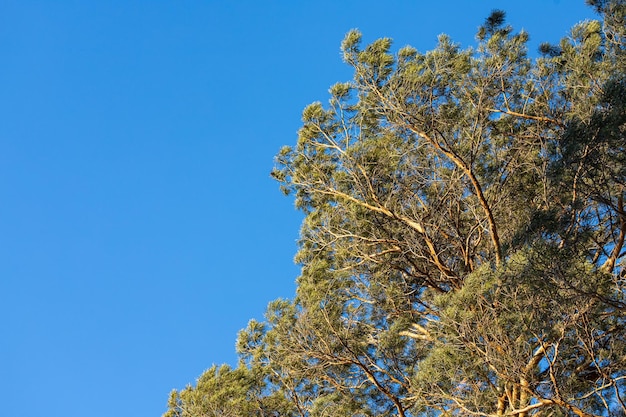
[{"x": 139, "y": 228}]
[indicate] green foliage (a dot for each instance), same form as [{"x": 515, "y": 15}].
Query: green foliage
[
  {"x": 222, "y": 391},
  {"x": 539, "y": 319},
  {"x": 463, "y": 247}
]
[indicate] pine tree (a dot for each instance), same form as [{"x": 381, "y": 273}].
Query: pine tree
[{"x": 462, "y": 250}]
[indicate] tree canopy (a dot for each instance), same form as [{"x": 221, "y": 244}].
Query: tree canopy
[{"x": 462, "y": 250}]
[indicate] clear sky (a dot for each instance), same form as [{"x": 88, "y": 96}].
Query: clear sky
[{"x": 139, "y": 228}]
